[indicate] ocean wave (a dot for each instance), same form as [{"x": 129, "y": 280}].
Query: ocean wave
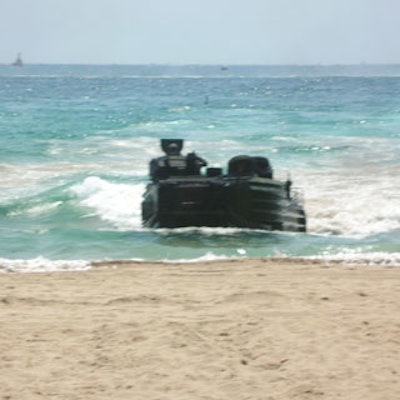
[
  {"x": 116, "y": 203},
  {"x": 352, "y": 202},
  {"x": 43, "y": 265}
]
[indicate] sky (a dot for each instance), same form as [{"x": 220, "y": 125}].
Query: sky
[{"x": 220, "y": 32}]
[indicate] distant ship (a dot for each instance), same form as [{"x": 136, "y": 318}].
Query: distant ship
[{"x": 18, "y": 62}]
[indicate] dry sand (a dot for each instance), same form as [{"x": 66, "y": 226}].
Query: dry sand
[{"x": 248, "y": 329}]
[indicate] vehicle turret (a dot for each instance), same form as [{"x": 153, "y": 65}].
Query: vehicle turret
[{"x": 174, "y": 163}]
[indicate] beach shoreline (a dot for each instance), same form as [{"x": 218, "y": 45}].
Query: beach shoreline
[{"x": 225, "y": 329}]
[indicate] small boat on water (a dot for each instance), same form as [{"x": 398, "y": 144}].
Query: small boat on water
[
  {"x": 18, "y": 61},
  {"x": 247, "y": 196}
]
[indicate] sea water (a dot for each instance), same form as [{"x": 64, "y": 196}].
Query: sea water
[{"x": 76, "y": 141}]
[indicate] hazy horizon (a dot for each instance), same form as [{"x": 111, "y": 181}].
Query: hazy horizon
[
  {"x": 211, "y": 32},
  {"x": 203, "y": 64}
]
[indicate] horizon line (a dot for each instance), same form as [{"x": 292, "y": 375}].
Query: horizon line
[{"x": 212, "y": 64}]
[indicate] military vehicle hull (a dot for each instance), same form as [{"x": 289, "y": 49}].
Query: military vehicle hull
[
  {"x": 254, "y": 202},
  {"x": 246, "y": 196}
]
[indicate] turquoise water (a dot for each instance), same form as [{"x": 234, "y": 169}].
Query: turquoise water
[{"x": 75, "y": 142}]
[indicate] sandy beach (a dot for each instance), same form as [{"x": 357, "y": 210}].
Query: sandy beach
[{"x": 245, "y": 329}]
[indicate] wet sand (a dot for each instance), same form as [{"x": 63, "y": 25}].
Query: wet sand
[{"x": 245, "y": 329}]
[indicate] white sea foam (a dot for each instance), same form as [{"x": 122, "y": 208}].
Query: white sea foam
[
  {"x": 31, "y": 179},
  {"x": 204, "y": 230},
  {"x": 345, "y": 258},
  {"x": 351, "y": 203},
  {"x": 41, "y": 264},
  {"x": 116, "y": 203},
  {"x": 354, "y": 258},
  {"x": 38, "y": 209},
  {"x": 209, "y": 256}
]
